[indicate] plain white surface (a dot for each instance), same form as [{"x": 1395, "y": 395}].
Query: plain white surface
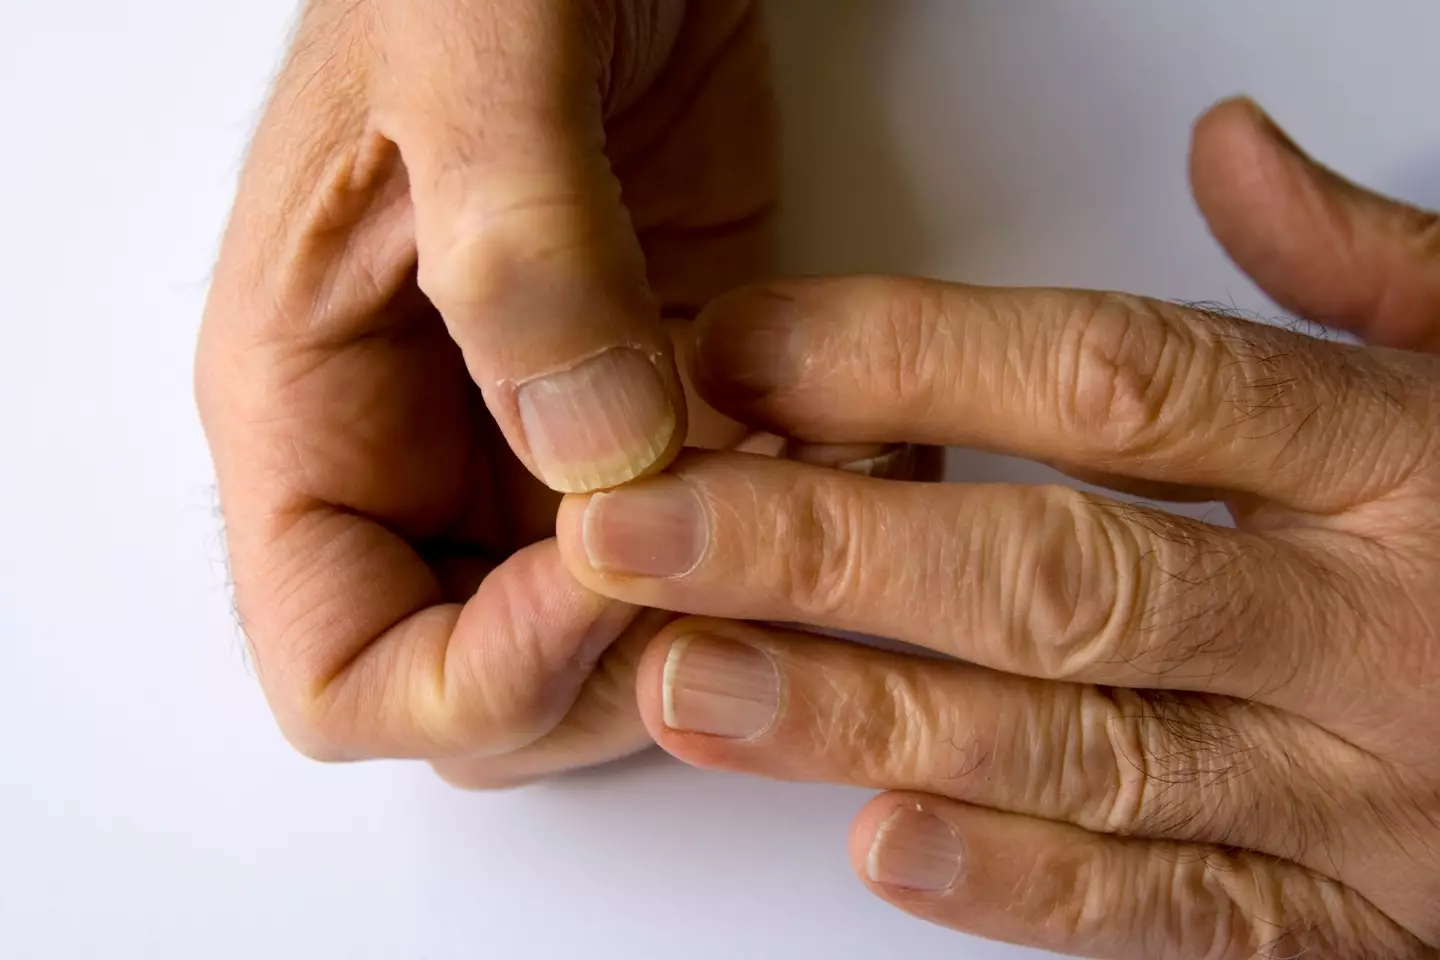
[{"x": 148, "y": 809}]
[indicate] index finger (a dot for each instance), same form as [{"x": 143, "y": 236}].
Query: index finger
[{"x": 1099, "y": 381}]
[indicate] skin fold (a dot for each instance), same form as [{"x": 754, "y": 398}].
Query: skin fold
[
  {"x": 445, "y": 201},
  {"x": 1153, "y": 737}
]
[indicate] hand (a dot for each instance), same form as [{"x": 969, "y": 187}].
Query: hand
[
  {"x": 1162, "y": 738},
  {"x": 393, "y": 560}
]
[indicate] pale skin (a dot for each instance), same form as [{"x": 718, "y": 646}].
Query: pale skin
[
  {"x": 429, "y": 222},
  {"x": 458, "y": 232},
  {"x": 1161, "y": 738}
]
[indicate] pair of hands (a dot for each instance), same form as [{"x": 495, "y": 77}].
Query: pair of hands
[{"x": 1162, "y": 738}]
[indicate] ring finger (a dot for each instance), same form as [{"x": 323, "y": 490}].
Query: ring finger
[{"x": 798, "y": 707}]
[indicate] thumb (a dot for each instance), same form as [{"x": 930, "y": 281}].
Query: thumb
[
  {"x": 524, "y": 246},
  {"x": 1322, "y": 247}
]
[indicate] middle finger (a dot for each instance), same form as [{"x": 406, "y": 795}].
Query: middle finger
[{"x": 1045, "y": 582}]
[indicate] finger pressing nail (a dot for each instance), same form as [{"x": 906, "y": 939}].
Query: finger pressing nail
[
  {"x": 655, "y": 528},
  {"x": 719, "y": 687},
  {"x": 599, "y": 423},
  {"x": 915, "y": 850}
]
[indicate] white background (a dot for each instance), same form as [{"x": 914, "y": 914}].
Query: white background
[{"x": 148, "y": 809}]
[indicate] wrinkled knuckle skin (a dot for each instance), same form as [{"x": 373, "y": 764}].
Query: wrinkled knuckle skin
[
  {"x": 902, "y": 333},
  {"x": 879, "y": 729},
  {"x": 1124, "y": 727},
  {"x": 529, "y": 223},
  {"x": 1123, "y": 374},
  {"x": 1079, "y": 899},
  {"x": 1083, "y": 599},
  {"x": 1076, "y": 778},
  {"x": 820, "y": 539},
  {"x": 1176, "y": 768},
  {"x": 1255, "y": 907}
]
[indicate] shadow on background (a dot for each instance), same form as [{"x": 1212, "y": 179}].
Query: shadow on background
[{"x": 846, "y": 206}]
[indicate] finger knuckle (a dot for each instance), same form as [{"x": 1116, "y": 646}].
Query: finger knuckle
[
  {"x": 1182, "y": 768},
  {"x": 388, "y": 699},
  {"x": 1250, "y": 905},
  {"x": 1078, "y": 899},
  {"x": 1123, "y": 729},
  {"x": 1083, "y": 597},
  {"x": 1125, "y": 373},
  {"x": 312, "y": 723},
  {"x": 314, "y": 710},
  {"x": 525, "y": 224},
  {"x": 821, "y": 539},
  {"x": 1067, "y": 776},
  {"x": 885, "y": 729}
]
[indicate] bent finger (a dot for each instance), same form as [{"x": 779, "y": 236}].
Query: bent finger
[
  {"x": 602, "y": 725},
  {"x": 1323, "y": 247},
  {"x": 405, "y": 673}
]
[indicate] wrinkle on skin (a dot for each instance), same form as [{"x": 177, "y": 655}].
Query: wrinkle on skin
[
  {"x": 1224, "y": 749},
  {"x": 315, "y": 313}
]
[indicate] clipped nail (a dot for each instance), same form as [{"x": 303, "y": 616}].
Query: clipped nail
[
  {"x": 866, "y": 459},
  {"x": 720, "y": 688},
  {"x": 597, "y": 424},
  {"x": 1277, "y": 132},
  {"x": 885, "y": 465},
  {"x": 915, "y": 850},
  {"x": 887, "y": 460},
  {"x": 655, "y": 528},
  {"x": 750, "y": 341},
  {"x": 762, "y": 444}
]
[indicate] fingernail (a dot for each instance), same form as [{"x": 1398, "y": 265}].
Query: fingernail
[
  {"x": 656, "y": 528},
  {"x": 1276, "y": 131},
  {"x": 888, "y": 460},
  {"x": 883, "y": 465},
  {"x": 720, "y": 688},
  {"x": 866, "y": 459},
  {"x": 762, "y": 444},
  {"x": 915, "y": 850},
  {"x": 597, "y": 424},
  {"x": 750, "y": 340}
]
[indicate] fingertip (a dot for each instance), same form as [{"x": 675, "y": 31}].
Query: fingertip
[
  {"x": 1232, "y": 152},
  {"x": 1320, "y": 245},
  {"x": 1271, "y": 209},
  {"x": 1239, "y": 109},
  {"x": 747, "y": 344},
  {"x": 906, "y": 845},
  {"x": 732, "y": 703}
]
